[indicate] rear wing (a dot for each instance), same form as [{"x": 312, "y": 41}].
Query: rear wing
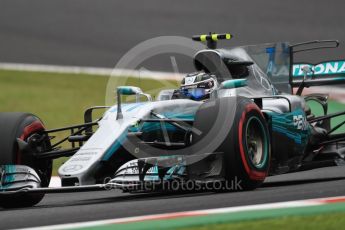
[{"x": 324, "y": 73}]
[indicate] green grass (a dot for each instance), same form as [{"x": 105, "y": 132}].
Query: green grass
[
  {"x": 314, "y": 222},
  {"x": 333, "y": 107},
  {"x": 59, "y": 99},
  {"x": 326, "y": 216}
]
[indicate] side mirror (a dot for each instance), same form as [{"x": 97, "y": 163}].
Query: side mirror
[
  {"x": 128, "y": 90},
  {"x": 132, "y": 90},
  {"x": 233, "y": 83}
]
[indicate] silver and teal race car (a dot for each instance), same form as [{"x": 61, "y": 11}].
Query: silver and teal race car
[{"x": 230, "y": 125}]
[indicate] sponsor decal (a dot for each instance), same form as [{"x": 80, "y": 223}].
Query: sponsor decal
[
  {"x": 86, "y": 153},
  {"x": 325, "y": 68},
  {"x": 72, "y": 168},
  {"x": 189, "y": 80},
  {"x": 189, "y": 87},
  {"x": 80, "y": 159},
  {"x": 300, "y": 122}
]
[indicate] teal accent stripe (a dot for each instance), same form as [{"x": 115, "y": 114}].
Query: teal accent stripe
[
  {"x": 127, "y": 107},
  {"x": 265, "y": 143},
  {"x": 134, "y": 106},
  {"x": 283, "y": 123},
  {"x": 115, "y": 146},
  {"x": 297, "y": 138},
  {"x": 235, "y": 83},
  {"x": 9, "y": 169}
]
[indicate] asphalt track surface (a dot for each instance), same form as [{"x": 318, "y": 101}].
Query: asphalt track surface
[
  {"x": 77, "y": 207},
  {"x": 94, "y": 33},
  {"x": 99, "y": 33}
]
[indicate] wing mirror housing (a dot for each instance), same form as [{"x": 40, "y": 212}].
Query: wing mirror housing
[
  {"x": 129, "y": 90},
  {"x": 233, "y": 83},
  {"x": 132, "y": 90}
]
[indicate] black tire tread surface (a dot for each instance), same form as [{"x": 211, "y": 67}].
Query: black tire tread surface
[{"x": 12, "y": 125}]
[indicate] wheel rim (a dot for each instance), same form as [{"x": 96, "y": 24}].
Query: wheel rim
[{"x": 256, "y": 142}]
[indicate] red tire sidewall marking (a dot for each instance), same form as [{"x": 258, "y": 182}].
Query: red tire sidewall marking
[
  {"x": 252, "y": 173},
  {"x": 28, "y": 130}
]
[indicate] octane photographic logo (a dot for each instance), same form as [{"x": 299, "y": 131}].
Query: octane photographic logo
[
  {"x": 131, "y": 68},
  {"x": 186, "y": 186}
]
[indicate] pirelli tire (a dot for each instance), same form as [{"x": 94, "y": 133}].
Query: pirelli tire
[
  {"x": 22, "y": 125},
  {"x": 239, "y": 131}
]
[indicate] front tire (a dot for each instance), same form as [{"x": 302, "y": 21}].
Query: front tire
[{"x": 22, "y": 126}]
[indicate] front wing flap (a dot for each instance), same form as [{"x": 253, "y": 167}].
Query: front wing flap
[
  {"x": 201, "y": 168},
  {"x": 16, "y": 177}
]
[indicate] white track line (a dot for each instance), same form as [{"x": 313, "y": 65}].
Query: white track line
[
  {"x": 278, "y": 205},
  {"x": 143, "y": 73}
]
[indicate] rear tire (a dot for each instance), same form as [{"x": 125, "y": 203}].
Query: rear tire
[
  {"x": 240, "y": 132},
  {"x": 22, "y": 125}
]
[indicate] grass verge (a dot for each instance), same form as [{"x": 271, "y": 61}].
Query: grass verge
[
  {"x": 314, "y": 222},
  {"x": 323, "y": 216}
]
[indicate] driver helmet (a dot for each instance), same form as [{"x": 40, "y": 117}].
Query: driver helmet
[{"x": 198, "y": 86}]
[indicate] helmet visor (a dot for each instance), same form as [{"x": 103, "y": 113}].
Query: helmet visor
[{"x": 194, "y": 93}]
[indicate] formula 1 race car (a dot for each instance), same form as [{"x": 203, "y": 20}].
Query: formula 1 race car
[{"x": 235, "y": 119}]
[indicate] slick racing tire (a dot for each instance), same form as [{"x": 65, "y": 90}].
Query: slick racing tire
[
  {"x": 22, "y": 126},
  {"x": 239, "y": 131}
]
